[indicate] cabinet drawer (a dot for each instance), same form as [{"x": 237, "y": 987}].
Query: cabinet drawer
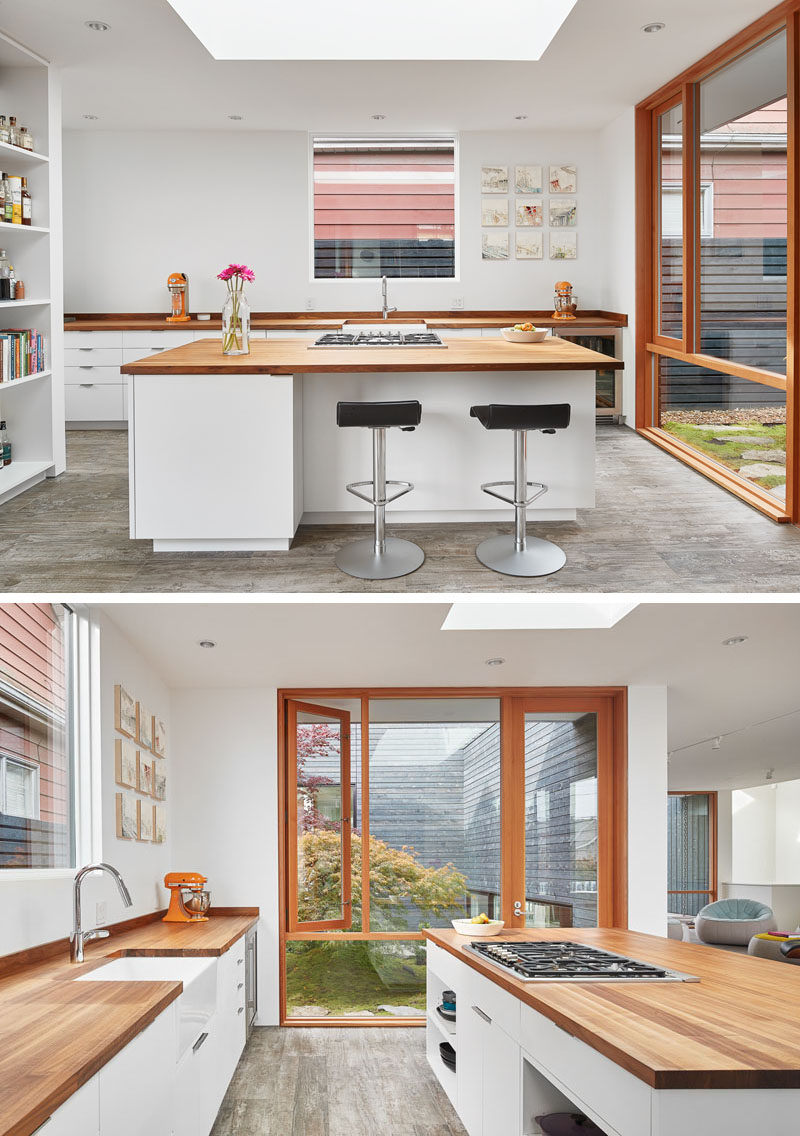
[
  {"x": 95, "y": 356},
  {"x": 163, "y": 339},
  {"x": 445, "y": 967},
  {"x": 503, "y": 1008},
  {"x": 614, "y": 1097},
  {"x": 134, "y": 354},
  {"x": 89, "y": 373},
  {"x": 92, "y": 338},
  {"x": 95, "y": 402}
]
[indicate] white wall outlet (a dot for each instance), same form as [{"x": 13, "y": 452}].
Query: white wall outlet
[
  {"x": 458, "y": 303},
  {"x": 310, "y": 305},
  {"x": 101, "y": 912}
]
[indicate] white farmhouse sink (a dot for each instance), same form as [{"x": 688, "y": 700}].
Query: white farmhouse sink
[{"x": 197, "y": 1003}]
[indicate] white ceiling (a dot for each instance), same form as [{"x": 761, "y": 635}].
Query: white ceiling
[
  {"x": 712, "y": 689},
  {"x": 149, "y": 71}
]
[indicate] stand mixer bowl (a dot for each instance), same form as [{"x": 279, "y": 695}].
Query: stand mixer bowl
[{"x": 195, "y": 902}]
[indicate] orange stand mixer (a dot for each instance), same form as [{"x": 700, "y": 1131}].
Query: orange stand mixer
[
  {"x": 565, "y": 301},
  {"x": 178, "y": 285},
  {"x": 188, "y": 901}
]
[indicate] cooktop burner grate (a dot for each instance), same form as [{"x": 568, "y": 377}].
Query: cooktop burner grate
[
  {"x": 555, "y": 961},
  {"x": 379, "y": 338}
]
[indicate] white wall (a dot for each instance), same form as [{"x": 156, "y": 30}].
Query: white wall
[
  {"x": 226, "y": 826},
  {"x": 787, "y": 833},
  {"x": 139, "y": 205},
  {"x": 34, "y": 911},
  {"x": 617, "y": 143},
  {"x": 753, "y": 838},
  {"x": 647, "y": 809}
]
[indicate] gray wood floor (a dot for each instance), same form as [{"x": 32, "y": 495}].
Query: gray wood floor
[
  {"x": 657, "y": 527},
  {"x": 336, "y": 1082}
]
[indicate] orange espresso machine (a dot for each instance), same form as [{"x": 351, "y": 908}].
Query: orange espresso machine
[
  {"x": 178, "y": 286},
  {"x": 189, "y": 901}
]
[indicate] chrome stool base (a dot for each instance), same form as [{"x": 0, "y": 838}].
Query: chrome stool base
[
  {"x": 399, "y": 558},
  {"x": 537, "y": 558}
]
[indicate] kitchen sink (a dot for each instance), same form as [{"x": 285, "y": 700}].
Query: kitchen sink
[{"x": 197, "y": 1003}]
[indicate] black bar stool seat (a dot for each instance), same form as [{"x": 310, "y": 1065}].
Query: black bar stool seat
[
  {"x": 521, "y": 555},
  {"x": 382, "y": 557}
]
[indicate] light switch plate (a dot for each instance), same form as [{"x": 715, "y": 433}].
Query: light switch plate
[
  {"x": 310, "y": 303},
  {"x": 101, "y": 912},
  {"x": 458, "y": 303}
]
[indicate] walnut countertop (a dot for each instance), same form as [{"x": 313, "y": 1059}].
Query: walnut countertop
[
  {"x": 293, "y": 357},
  {"x": 56, "y": 1033},
  {"x": 735, "y": 1028}
]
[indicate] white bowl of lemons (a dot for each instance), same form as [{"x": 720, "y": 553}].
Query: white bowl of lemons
[
  {"x": 524, "y": 333},
  {"x": 478, "y": 927}
]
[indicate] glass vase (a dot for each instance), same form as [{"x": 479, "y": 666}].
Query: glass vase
[{"x": 236, "y": 324}]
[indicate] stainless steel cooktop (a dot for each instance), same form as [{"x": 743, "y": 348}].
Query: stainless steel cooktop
[
  {"x": 554, "y": 961},
  {"x": 378, "y": 338}
]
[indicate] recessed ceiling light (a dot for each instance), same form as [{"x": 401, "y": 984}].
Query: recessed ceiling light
[
  {"x": 378, "y": 117},
  {"x": 734, "y": 640},
  {"x": 236, "y": 117},
  {"x": 97, "y": 26},
  {"x": 655, "y": 26},
  {"x": 90, "y": 117},
  {"x": 207, "y": 643},
  {"x": 520, "y": 117},
  {"x": 494, "y": 662}
]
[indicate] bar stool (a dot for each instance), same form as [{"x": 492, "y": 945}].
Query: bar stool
[
  {"x": 382, "y": 557},
  {"x": 521, "y": 555}
]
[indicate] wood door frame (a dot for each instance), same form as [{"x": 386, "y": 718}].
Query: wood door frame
[
  {"x": 613, "y": 703},
  {"x": 713, "y": 841},
  {"x": 649, "y": 344}
]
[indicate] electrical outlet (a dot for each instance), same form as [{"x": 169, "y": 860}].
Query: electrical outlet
[
  {"x": 101, "y": 912},
  {"x": 458, "y": 303},
  {"x": 310, "y": 303}
]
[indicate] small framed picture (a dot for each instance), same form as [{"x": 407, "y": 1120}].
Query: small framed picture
[
  {"x": 563, "y": 179},
  {"x": 159, "y": 780},
  {"x": 494, "y": 179},
  {"x": 529, "y": 213},
  {"x": 146, "y": 779},
  {"x": 494, "y": 246},
  {"x": 494, "y": 212},
  {"x": 127, "y": 816},
  {"x": 126, "y": 764},
  {"x": 160, "y": 822},
  {"x": 124, "y": 712},
  {"x": 528, "y": 179},
  {"x": 563, "y": 246},
  {"x": 563, "y": 213},
  {"x": 529, "y": 246},
  {"x": 145, "y": 816},
  {"x": 145, "y": 726},
  {"x": 159, "y": 736}
]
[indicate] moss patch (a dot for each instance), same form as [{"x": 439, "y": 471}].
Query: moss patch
[
  {"x": 350, "y": 976},
  {"x": 728, "y": 449}
]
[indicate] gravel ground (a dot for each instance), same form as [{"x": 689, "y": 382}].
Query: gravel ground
[{"x": 766, "y": 415}]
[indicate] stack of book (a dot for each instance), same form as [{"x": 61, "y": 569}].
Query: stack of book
[{"x": 21, "y": 353}]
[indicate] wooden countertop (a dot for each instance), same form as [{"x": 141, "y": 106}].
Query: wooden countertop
[
  {"x": 735, "y": 1029},
  {"x": 324, "y": 321},
  {"x": 56, "y": 1033},
  {"x": 293, "y": 357}
]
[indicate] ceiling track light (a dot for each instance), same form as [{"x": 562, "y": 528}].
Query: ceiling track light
[
  {"x": 236, "y": 117},
  {"x": 498, "y": 662},
  {"x": 655, "y": 26},
  {"x": 378, "y": 117},
  {"x": 520, "y": 117},
  {"x": 207, "y": 643},
  {"x": 734, "y": 640},
  {"x": 90, "y": 117},
  {"x": 770, "y": 774},
  {"x": 716, "y": 742},
  {"x": 97, "y": 26}
]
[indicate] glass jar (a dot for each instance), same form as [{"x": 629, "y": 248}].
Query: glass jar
[{"x": 236, "y": 324}]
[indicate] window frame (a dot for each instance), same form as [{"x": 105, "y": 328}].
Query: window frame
[
  {"x": 713, "y": 845},
  {"x": 7, "y": 759},
  {"x": 362, "y": 281},
  {"x": 649, "y": 344}
]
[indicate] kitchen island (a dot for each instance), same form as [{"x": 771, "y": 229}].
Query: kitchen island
[
  {"x": 640, "y": 1058},
  {"x": 232, "y": 452}
]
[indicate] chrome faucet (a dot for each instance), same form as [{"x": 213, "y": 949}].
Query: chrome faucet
[
  {"x": 79, "y": 937},
  {"x": 385, "y": 309}
]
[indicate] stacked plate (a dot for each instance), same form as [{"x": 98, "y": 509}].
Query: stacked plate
[
  {"x": 447, "y": 1009},
  {"x": 448, "y": 1054}
]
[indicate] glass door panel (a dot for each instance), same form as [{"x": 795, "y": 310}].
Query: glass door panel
[
  {"x": 670, "y": 236},
  {"x": 319, "y": 803},
  {"x": 561, "y": 830},
  {"x": 690, "y": 852}
]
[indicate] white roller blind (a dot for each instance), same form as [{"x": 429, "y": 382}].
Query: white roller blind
[{"x": 19, "y": 789}]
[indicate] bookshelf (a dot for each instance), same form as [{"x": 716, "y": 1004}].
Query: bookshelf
[{"x": 33, "y": 406}]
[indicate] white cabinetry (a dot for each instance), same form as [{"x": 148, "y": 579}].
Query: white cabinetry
[
  {"x": 137, "y": 1087},
  {"x": 94, "y": 387},
  {"x": 78, "y": 1115}
]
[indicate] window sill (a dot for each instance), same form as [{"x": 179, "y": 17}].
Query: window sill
[{"x": 11, "y": 875}]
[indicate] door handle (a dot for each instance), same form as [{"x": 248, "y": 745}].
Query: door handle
[
  {"x": 85, "y": 366},
  {"x": 240, "y": 986},
  {"x": 481, "y": 1014},
  {"x": 518, "y": 909},
  {"x": 240, "y": 1010},
  {"x": 199, "y": 1042},
  {"x": 86, "y": 385},
  {"x": 84, "y": 348}
]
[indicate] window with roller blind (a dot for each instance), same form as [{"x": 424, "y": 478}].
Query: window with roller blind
[
  {"x": 383, "y": 207},
  {"x": 37, "y": 794},
  {"x": 672, "y": 210}
]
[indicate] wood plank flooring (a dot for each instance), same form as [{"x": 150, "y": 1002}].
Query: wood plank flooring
[
  {"x": 658, "y": 527},
  {"x": 335, "y": 1082}
]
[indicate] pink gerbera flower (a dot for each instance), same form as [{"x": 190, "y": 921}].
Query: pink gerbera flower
[{"x": 238, "y": 272}]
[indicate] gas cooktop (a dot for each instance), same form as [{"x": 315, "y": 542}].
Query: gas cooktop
[
  {"x": 379, "y": 338},
  {"x": 551, "y": 961}
]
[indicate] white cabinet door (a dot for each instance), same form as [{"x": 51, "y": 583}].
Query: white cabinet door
[
  {"x": 75, "y": 339},
  {"x": 78, "y": 1115},
  {"x": 137, "y": 1086},
  {"x": 470, "y": 1032},
  {"x": 94, "y": 402},
  {"x": 502, "y": 1083}
]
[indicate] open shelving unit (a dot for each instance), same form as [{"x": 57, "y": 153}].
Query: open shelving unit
[
  {"x": 437, "y": 1031},
  {"x": 33, "y": 406}
]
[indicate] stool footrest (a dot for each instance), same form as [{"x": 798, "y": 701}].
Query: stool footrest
[
  {"x": 489, "y": 487},
  {"x": 353, "y": 488}
]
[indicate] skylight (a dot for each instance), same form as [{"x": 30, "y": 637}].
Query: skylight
[
  {"x": 360, "y": 29},
  {"x": 548, "y": 616}
]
